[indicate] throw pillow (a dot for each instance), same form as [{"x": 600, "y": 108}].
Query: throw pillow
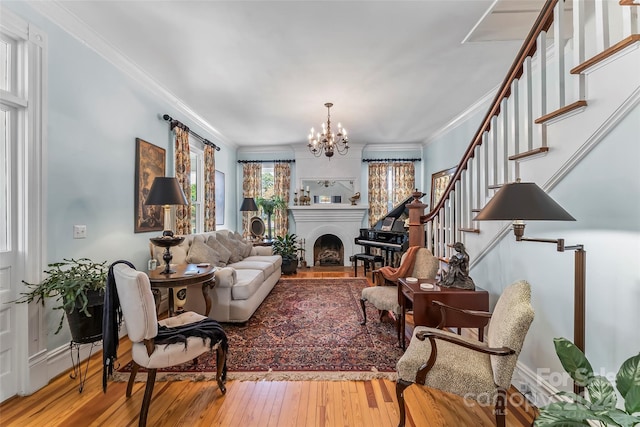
[
  {"x": 230, "y": 243},
  {"x": 245, "y": 246},
  {"x": 222, "y": 251},
  {"x": 199, "y": 252}
]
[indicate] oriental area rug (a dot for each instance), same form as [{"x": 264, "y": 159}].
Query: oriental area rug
[{"x": 306, "y": 329}]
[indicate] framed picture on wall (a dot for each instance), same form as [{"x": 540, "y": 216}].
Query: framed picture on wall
[
  {"x": 219, "y": 198},
  {"x": 150, "y": 163},
  {"x": 439, "y": 182}
]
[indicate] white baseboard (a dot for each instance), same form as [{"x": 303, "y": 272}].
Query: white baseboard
[
  {"x": 58, "y": 360},
  {"x": 536, "y": 389}
]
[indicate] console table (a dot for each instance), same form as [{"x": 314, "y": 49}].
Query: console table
[
  {"x": 427, "y": 314},
  {"x": 185, "y": 275}
]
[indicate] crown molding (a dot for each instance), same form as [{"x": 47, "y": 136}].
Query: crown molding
[
  {"x": 386, "y": 147},
  {"x": 250, "y": 149},
  {"x": 62, "y": 17}
]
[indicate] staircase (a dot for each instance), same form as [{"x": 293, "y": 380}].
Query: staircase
[{"x": 553, "y": 107}]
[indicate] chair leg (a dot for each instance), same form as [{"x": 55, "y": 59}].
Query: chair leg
[
  {"x": 364, "y": 311},
  {"x": 146, "y": 400},
  {"x": 501, "y": 405},
  {"x": 401, "y": 385},
  {"x": 221, "y": 368},
  {"x": 132, "y": 378}
]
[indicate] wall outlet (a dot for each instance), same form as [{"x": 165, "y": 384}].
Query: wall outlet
[{"x": 79, "y": 231}]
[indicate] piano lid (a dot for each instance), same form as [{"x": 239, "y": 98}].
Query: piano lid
[{"x": 394, "y": 219}]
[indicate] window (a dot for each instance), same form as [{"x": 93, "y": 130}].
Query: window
[
  {"x": 197, "y": 189},
  {"x": 268, "y": 180},
  {"x": 5, "y": 180}
]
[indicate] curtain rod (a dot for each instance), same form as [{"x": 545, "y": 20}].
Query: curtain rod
[
  {"x": 391, "y": 160},
  {"x": 173, "y": 123},
  {"x": 267, "y": 161}
]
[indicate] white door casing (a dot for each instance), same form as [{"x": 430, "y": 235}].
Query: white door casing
[{"x": 23, "y": 118}]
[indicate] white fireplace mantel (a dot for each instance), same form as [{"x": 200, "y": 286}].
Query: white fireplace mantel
[{"x": 341, "y": 220}]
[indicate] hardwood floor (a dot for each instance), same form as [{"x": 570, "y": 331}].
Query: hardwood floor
[{"x": 262, "y": 403}]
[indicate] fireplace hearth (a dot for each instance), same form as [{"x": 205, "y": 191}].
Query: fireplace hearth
[{"x": 328, "y": 250}]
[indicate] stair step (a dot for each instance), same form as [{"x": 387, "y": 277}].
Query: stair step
[
  {"x": 560, "y": 112},
  {"x": 476, "y": 210},
  {"x": 494, "y": 186},
  {"x": 470, "y": 230},
  {"x": 529, "y": 153},
  {"x": 606, "y": 53}
]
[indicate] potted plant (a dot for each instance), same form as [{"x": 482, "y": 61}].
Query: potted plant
[
  {"x": 601, "y": 402},
  {"x": 287, "y": 247},
  {"x": 269, "y": 206},
  {"x": 77, "y": 286}
]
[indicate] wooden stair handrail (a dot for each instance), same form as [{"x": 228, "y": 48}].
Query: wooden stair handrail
[{"x": 543, "y": 23}]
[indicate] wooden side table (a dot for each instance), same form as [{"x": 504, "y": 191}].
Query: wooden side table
[
  {"x": 185, "y": 275},
  {"x": 427, "y": 314}
]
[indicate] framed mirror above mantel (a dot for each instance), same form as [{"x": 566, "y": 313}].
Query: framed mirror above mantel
[{"x": 327, "y": 190}]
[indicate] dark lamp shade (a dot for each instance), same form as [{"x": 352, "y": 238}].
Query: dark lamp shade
[
  {"x": 522, "y": 201},
  {"x": 166, "y": 191},
  {"x": 248, "y": 205}
]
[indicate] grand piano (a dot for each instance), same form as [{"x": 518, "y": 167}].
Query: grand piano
[{"x": 388, "y": 234}]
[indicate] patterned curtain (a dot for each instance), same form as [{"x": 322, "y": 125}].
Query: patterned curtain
[
  {"x": 282, "y": 188},
  {"x": 251, "y": 187},
  {"x": 378, "y": 195},
  {"x": 209, "y": 188},
  {"x": 403, "y": 180},
  {"x": 183, "y": 173}
]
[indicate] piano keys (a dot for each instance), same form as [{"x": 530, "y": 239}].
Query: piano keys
[{"x": 388, "y": 234}]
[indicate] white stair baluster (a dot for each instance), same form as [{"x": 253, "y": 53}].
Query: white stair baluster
[
  {"x": 503, "y": 140},
  {"x": 579, "y": 46},
  {"x": 486, "y": 159},
  {"x": 558, "y": 52},
  {"x": 528, "y": 105},
  {"x": 602, "y": 25}
]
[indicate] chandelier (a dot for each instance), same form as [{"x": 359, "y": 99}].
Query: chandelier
[{"x": 326, "y": 140}]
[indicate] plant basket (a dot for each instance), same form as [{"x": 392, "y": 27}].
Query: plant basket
[{"x": 86, "y": 329}]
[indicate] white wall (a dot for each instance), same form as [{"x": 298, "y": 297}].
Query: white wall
[
  {"x": 95, "y": 114},
  {"x": 602, "y": 192}
]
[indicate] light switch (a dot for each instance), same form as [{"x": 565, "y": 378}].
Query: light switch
[{"x": 79, "y": 231}]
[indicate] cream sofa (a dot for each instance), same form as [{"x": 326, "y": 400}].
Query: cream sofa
[{"x": 242, "y": 282}]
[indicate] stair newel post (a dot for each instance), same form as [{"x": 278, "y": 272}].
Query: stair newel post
[{"x": 416, "y": 228}]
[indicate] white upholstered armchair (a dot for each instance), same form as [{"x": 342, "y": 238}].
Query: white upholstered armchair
[
  {"x": 385, "y": 296},
  {"x": 472, "y": 369},
  {"x": 158, "y": 344}
]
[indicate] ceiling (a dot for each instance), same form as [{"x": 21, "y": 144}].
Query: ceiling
[{"x": 259, "y": 72}]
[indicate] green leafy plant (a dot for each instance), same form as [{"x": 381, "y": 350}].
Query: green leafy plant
[
  {"x": 601, "y": 402},
  {"x": 68, "y": 283},
  {"x": 286, "y": 246},
  {"x": 269, "y": 206}
]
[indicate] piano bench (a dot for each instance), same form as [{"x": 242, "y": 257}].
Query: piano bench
[{"x": 367, "y": 260}]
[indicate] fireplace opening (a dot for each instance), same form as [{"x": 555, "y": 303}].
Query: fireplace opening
[{"x": 328, "y": 250}]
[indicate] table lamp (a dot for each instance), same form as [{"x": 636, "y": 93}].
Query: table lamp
[
  {"x": 166, "y": 191},
  {"x": 519, "y": 201},
  {"x": 248, "y": 205}
]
